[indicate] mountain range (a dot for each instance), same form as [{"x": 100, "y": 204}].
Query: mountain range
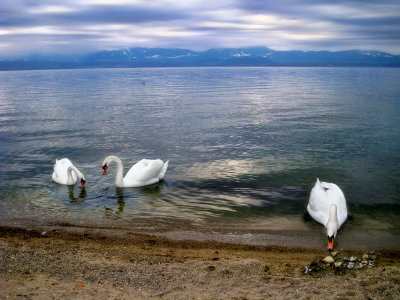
[{"x": 161, "y": 57}]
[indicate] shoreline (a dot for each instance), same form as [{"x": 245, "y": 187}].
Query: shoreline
[
  {"x": 86, "y": 263},
  {"x": 292, "y": 232}
]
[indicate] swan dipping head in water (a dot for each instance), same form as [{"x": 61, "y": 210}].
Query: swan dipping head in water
[
  {"x": 66, "y": 173},
  {"x": 327, "y": 205}
]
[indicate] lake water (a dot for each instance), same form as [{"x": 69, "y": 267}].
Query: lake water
[{"x": 245, "y": 145}]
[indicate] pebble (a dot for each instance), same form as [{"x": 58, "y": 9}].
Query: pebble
[
  {"x": 350, "y": 266},
  {"x": 329, "y": 260},
  {"x": 338, "y": 264},
  {"x": 210, "y": 268},
  {"x": 353, "y": 258},
  {"x": 334, "y": 253},
  {"x": 365, "y": 256}
]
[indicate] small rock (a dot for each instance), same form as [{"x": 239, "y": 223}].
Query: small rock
[
  {"x": 353, "y": 258},
  {"x": 338, "y": 264},
  {"x": 364, "y": 262},
  {"x": 334, "y": 253},
  {"x": 44, "y": 234},
  {"x": 306, "y": 270},
  {"x": 350, "y": 266},
  {"x": 329, "y": 260},
  {"x": 365, "y": 256}
]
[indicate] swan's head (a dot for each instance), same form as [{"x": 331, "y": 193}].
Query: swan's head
[
  {"x": 106, "y": 161},
  {"x": 331, "y": 231},
  {"x": 83, "y": 180},
  {"x": 105, "y": 167},
  {"x": 110, "y": 159},
  {"x": 82, "y": 177},
  {"x": 330, "y": 242}
]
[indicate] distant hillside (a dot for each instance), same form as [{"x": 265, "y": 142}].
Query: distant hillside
[{"x": 159, "y": 57}]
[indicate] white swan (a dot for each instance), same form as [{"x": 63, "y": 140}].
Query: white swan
[
  {"x": 327, "y": 206},
  {"x": 66, "y": 173},
  {"x": 144, "y": 172}
]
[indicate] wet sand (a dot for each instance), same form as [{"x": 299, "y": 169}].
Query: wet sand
[{"x": 81, "y": 263}]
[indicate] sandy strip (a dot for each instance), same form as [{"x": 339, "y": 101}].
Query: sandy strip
[{"x": 81, "y": 263}]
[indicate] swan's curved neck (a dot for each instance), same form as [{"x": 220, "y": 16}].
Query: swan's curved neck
[
  {"x": 119, "y": 180},
  {"x": 69, "y": 174},
  {"x": 333, "y": 223}
]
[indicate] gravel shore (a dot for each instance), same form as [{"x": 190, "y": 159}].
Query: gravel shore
[{"x": 64, "y": 263}]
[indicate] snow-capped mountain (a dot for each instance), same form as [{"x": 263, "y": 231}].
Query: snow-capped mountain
[{"x": 160, "y": 57}]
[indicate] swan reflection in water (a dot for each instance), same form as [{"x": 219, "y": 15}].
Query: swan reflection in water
[
  {"x": 109, "y": 212},
  {"x": 151, "y": 192},
  {"x": 72, "y": 197}
]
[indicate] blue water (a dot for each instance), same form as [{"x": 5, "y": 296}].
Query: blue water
[{"x": 243, "y": 143}]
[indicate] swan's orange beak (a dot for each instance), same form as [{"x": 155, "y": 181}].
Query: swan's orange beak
[
  {"x": 330, "y": 243},
  {"x": 105, "y": 169},
  {"x": 83, "y": 182}
]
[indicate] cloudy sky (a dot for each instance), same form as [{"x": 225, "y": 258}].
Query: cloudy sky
[{"x": 81, "y": 26}]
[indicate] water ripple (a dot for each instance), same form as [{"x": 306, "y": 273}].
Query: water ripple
[{"x": 242, "y": 142}]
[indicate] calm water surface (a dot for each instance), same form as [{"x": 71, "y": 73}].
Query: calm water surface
[{"x": 243, "y": 143}]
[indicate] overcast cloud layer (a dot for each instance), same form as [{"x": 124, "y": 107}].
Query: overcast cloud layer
[{"x": 77, "y": 26}]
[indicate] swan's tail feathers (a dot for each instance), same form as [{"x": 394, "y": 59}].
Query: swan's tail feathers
[
  {"x": 317, "y": 183},
  {"x": 163, "y": 170}
]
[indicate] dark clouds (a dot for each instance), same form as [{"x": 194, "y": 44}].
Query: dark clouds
[
  {"x": 82, "y": 26},
  {"x": 94, "y": 14}
]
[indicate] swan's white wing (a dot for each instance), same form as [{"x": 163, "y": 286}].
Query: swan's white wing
[
  {"x": 144, "y": 172},
  {"x": 60, "y": 171},
  {"x": 318, "y": 205}
]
